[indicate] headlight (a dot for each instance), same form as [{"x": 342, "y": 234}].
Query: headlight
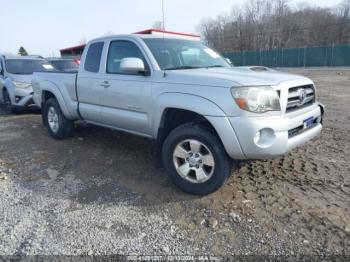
[
  {"x": 258, "y": 99},
  {"x": 22, "y": 85}
]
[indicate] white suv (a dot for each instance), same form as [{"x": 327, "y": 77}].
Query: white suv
[{"x": 15, "y": 80}]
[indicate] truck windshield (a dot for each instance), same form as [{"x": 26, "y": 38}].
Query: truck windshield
[
  {"x": 175, "y": 54},
  {"x": 27, "y": 66}
]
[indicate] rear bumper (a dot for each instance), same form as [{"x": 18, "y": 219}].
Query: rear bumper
[{"x": 263, "y": 138}]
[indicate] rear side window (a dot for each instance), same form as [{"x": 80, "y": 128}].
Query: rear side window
[{"x": 93, "y": 57}]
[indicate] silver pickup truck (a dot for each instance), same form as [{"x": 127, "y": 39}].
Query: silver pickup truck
[{"x": 201, "y": 111}]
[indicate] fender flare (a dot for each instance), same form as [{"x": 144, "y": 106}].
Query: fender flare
[
  {"x": 54, "y": 89},
  {"x": 196, "y": 104},
  {"x": 204, "y": 107}
]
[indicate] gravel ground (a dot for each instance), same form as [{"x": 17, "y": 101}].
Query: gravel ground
[{"x": 99, "y": 193}]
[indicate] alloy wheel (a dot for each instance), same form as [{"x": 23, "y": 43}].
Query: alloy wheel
[
  {"x": 52, "y": 119},
  {"x": 193, "y": 161}
]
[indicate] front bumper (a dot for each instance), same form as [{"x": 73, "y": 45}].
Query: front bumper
[
  {"x": 263, "y": 138},
  {"x": 23, "y": 98}
]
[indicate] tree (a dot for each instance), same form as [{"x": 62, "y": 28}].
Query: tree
[
  {"x": 265, "y": 25},
  {"x": 346, "y": 9},
  {"x": 22, "y": 51}
]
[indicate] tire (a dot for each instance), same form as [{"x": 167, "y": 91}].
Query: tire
[
  {"x": 7, "y": 102},
  {"x": 58, "y": 126},
  {"x": 211, "y": 158}
]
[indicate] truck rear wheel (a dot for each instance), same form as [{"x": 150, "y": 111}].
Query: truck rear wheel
[
  {"x": 58, "y": 126},
  {"x": 195, "y": 160}
]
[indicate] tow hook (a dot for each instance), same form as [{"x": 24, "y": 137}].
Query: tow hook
[{"x": 322, "y": 108}]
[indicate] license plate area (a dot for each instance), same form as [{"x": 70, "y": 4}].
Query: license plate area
[{"x": 309, "y": 122}]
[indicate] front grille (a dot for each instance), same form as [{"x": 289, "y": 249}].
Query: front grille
[{"x": 300, "y": 97}]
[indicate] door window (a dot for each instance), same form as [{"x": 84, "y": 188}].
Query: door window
[{"x": 119, "y": 50}]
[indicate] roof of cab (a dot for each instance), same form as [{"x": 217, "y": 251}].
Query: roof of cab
[
  {"x": 139, "y": 36},
  {"x": 149, "y": 33}
]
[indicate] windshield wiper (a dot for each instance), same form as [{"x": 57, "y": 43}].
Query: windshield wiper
[
  {"x": 181, "y": 67},
  {"x": 213, "y": 66}
]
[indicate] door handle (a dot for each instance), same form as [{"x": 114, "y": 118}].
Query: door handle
[{"x": 106, "y": 84}]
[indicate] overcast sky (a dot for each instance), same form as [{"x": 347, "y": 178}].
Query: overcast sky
[{"x": 44, "y": 27}]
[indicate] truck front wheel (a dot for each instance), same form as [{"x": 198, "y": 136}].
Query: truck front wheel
[
  {"x": 195, "y": 160},
  {"x": 58, "y": 126}
]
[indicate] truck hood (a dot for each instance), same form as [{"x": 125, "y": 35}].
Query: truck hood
[
  {"x": 21, "y": 78},
  {"x": 235, "y": 76}
]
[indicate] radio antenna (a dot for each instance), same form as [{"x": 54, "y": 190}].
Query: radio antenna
[
  {"x": 163, "y": 29},
  {"x": 163, "y": 14}
]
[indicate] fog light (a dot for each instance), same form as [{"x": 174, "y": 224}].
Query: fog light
[
  {"x": 265, "y": 137},
  {"x": 257, "y": 137}
]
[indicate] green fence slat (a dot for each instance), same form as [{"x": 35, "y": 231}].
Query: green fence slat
[{"x": 334, "y": 55}]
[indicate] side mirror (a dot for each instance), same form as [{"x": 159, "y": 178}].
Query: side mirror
[
  {"x": 132, "y": 65},
  {"x": 1, "y": 69}
]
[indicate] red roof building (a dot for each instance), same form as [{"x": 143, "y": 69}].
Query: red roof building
[
  {"x": 169, "y": 33},
  {"x": 77, "y": 51}
]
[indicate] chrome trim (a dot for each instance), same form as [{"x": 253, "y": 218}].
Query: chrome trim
[{"x": 299, "y": 97}]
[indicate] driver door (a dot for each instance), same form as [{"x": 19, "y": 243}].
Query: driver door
[{"x": 125, "y": 97}]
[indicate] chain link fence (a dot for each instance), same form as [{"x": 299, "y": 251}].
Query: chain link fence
[{"x": 334, "y": 55}]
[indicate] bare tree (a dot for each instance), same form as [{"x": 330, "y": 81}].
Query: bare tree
[{"x": 266, "y": 24}]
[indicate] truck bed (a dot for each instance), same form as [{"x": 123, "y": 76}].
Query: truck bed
[{"x": 65, "y": 82}]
